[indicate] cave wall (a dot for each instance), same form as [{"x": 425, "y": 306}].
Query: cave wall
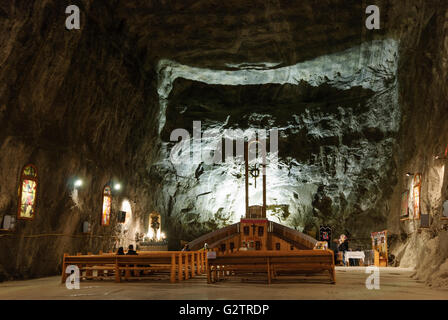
[
  {"x": 76, "y": 105},
  {"x": 87, "y": 104},
  {"x": 423, "y": 135}
]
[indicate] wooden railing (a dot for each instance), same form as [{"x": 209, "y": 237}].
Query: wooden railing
[
  {"x": 214, "y": 237},
  {"x": 297, "y": 238},
  {"x": 181, "y": 265}
]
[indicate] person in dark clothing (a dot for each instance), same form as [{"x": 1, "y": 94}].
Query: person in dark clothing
[
  {"x": 186, "y": 247},
  {"x": 120, "y": 252},
  {"x": 343, "y": 246},
  {"x": 131, "y": 250},
  {"x": 334, "y": 246}
]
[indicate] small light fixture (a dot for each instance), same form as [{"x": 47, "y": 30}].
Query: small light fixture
[
  {"x": 78, "y": 183},
  {"x": 117, "y": 186},
  {"x": 409, "y": 174}
]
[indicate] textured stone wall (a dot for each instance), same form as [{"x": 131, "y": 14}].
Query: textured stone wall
[
  {"x": 74, "y": 104},
  {"x": 424, "y": 100},
  {"x": 87, "y": 104}
]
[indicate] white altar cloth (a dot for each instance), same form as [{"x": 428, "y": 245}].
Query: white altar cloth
[{"x": 354, "y": 255}]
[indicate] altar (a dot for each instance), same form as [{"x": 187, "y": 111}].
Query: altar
[
  {"x": 354, "y": 255},
  {"x": 155, "y": 239}
]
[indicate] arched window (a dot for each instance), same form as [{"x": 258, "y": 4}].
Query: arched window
[
  {"x": 27, "y": 193},
  {"x": 107, "y": 201}
]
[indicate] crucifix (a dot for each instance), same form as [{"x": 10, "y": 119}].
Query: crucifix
[
  {"x": 253, "y": 228},
  {"x": 256, "y": 172}
]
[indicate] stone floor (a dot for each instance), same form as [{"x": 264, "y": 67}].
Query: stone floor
[{"x": 395, "y": 283}]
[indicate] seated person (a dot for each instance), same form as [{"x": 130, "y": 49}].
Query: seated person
[
  {"x": 186, "y": 247},
  {"x": 131, "y": 250},
  {"x": 120, "y": 251}
]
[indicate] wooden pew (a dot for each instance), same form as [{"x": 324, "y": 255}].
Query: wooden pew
[
  {"x": 179, "y": 265},
  {"x": 271, "y": 264},
  {"x": 88, "y": 263}
]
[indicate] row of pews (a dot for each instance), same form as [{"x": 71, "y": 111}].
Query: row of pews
[
  {"x": 179, "y": 265},
  {"x": 271, "y": 264},
  {"x": 183, "y": 265}
]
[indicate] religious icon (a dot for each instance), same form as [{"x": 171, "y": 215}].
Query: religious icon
[
  {"x": 325, "y": 233},
  {"x": 155, "y": 224},
  {"x": 379, "y": 244},
  {"x": 255, "y": 172},
  {"x": 27, "y": 193},
  {"x": 154, "y": 232},
  {"x": 107, "y": 202},
  {"x": 321, "y": 245}
]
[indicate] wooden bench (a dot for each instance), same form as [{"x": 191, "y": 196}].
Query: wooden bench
[
  {"x": 180, "y": 265},
  {"x": 271, "y": 263}
]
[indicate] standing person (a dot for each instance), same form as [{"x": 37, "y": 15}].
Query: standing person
[
  {"x": 334, "y": 246},
  {"x": 343, "y": 246}
]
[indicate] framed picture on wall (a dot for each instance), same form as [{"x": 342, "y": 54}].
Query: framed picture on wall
[{"x": 325, "y": 233}]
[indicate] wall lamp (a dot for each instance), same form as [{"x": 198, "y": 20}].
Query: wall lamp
[
  {"x": 78, "y": 183},
  {"x": 409, "y": 174},
  {"x": 117, "y": 186}
]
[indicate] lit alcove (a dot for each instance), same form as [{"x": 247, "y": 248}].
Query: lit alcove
[
  {"x": 126, "y": 207},
  {"x": 27, "y": 193}
]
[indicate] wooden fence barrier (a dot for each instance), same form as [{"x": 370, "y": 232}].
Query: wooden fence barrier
[{"x": 181, "y": 265}]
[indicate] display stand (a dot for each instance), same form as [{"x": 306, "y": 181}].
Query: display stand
[{"x": 379, "y": 247}]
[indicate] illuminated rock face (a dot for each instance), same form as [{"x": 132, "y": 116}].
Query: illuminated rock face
[{"x": 337, "y": 117}]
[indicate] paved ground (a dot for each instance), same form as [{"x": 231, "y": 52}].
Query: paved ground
[{"x": 395, "y": 283}]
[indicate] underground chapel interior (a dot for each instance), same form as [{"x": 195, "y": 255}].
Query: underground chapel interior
[{"x": 270, "y": 149}]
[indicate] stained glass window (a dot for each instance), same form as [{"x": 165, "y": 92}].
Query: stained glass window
[
  {"x": 107, "y": 201},
  {"x": 27, "y": 193},
  {"x": 417, "y": 195}
]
